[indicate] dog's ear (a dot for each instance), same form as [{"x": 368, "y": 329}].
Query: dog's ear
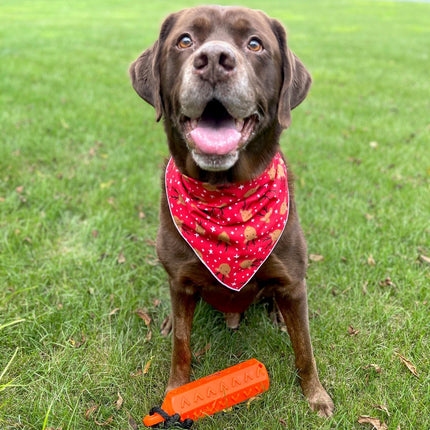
[
  {"x": 145, "y": 78},
  {"x": 296, "y": 80},
  {"x": 145, "y": 71}
]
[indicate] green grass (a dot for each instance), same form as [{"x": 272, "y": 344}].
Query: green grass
[{"x": 80, "y": 162}]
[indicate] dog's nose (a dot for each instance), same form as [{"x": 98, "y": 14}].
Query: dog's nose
[{"x": 214, "y": 62}]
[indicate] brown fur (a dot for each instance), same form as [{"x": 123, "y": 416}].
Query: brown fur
[{"x": 280, "y": 82}]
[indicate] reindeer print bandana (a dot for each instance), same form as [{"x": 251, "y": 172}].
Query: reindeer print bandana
[{"x": 231, "y": 228}]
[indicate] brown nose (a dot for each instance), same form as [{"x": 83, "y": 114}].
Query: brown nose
[{"x": 214, "y": 63}]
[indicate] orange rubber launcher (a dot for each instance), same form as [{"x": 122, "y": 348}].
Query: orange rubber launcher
[{"x": 214, "y": 392}]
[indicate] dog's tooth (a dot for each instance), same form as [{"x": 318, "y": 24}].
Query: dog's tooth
[
  {"x": 194, "y": 123},
  {"x": 239, "y": 124}
]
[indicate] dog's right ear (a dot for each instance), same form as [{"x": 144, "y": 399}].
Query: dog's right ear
[
  {"x": 145, "y": 71},
  {"x": 144, "y": 74}
]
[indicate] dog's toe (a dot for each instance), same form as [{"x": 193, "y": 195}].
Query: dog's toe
[{"x": 321, "y": 403}]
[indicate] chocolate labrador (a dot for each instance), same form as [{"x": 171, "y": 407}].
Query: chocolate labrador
[{"x": 225, "y": 82}]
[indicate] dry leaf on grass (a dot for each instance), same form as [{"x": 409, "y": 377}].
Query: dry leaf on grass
[
  {"x": 147, "y": 366},
  {"x": 77, "y": 344},
  {"x": 382, "y": 408},
  {"x": 113, "y": 312},
  {"x": 106, "y": 423},
  {"x": 121, "y": 259},
  {"x": 387, "y": 282},
  {"x": 141, "y": 313},
  {"x": 119, "y": 402},
  {"x": 136, "y": 374},
  {"x": 371, "y": 261},
  {"x": 374, "y": 366},
  {"x": 409, "y": 365},
  {"x": 89, "y": 412},
  {"x": 352, "y": 331},
  {"x": 376, "y": 423},
  {"x": 425, "y": 259},
  {"x": 252, "y": 399},
  {"x": 316, "y": 257},
  {"x": 131, "y": 422}
]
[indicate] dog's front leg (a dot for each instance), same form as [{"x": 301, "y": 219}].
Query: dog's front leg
[
  {"x": 292, "y": 302},
  {"x": 183, "y": 301}
]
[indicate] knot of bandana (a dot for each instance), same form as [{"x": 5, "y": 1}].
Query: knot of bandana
[{"x": 231, "y": 228}]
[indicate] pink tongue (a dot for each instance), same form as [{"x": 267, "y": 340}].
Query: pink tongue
[{"x": 216, "y": 140}]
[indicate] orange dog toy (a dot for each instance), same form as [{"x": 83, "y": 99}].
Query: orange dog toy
[{"x": 214, "y": 392}]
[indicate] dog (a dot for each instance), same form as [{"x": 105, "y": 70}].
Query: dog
[{"x": 225, "y": 82}]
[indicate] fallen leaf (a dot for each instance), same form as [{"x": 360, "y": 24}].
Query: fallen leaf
[
  {"x": 316, "y": 257},
  {"x": 376, "y": 423},
  {"x": 425, "y": 259},
  {"x": 252, "y": 399},
  {"x": 77, "y": 344},
  {"x": 352, "y": 331},
  {"x": 141, "y": 313},
  {"x": 387, "y": 282},
  {"x": 355, "y": 160},
  {"x": 95, "y": 233},
  {"x": 136, "y": 374},
  {"x": 283, "y": 422},
  {"x": 119, "y": 402},
  {"x": 147, "y": 366},
  {"x": 373, "y": 144},
  {"x": 156, "y": 302},
  {"x": 374, "y": 366},
  {"x": 382, "y": 408},
  {"x": 371, "y": 260},
  {"x": 369, "y": 216},
  {"x": 142, "y": 215},
  {"x": 90, "y": 411},
  {"x": 409, "y": 365},
  {"x": 150, "y": 242},
  {"x": 114, "y": 312},
  {"x": 121, "y": 259},
  {"x": 106, "y": 423},
  {"x": 364, "y": 287},
  {"x": 131, "y": 422},
  {"x": 19, "y": 189},
  {"x": 107, "y": 184},
  {"x": 64, "y": 124}
]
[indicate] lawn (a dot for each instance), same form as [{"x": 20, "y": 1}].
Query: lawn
[{"x": 82, "y": 295}]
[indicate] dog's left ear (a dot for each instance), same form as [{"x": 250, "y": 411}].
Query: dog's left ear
[{"x": 296, "y": 79}]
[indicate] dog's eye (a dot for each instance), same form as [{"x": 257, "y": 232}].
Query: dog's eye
[
  {"x": 255, "y": 45},
  {"x": 185, "y": 42}
]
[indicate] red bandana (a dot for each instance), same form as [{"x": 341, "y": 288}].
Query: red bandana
[{"x": 231, "y": 228}]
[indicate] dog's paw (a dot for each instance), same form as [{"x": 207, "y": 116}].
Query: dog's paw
[
  {"x": 321, "y": 403},
  {"x": 232, "y": 320}
]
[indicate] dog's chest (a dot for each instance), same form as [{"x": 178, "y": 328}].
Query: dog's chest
[{"x": 232, "y": 229}]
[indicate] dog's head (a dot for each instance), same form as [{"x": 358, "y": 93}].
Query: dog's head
[{"x": 225, "y": 81}]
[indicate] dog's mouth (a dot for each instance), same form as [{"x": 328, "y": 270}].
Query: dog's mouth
[{"x": 218, "y": 134}]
